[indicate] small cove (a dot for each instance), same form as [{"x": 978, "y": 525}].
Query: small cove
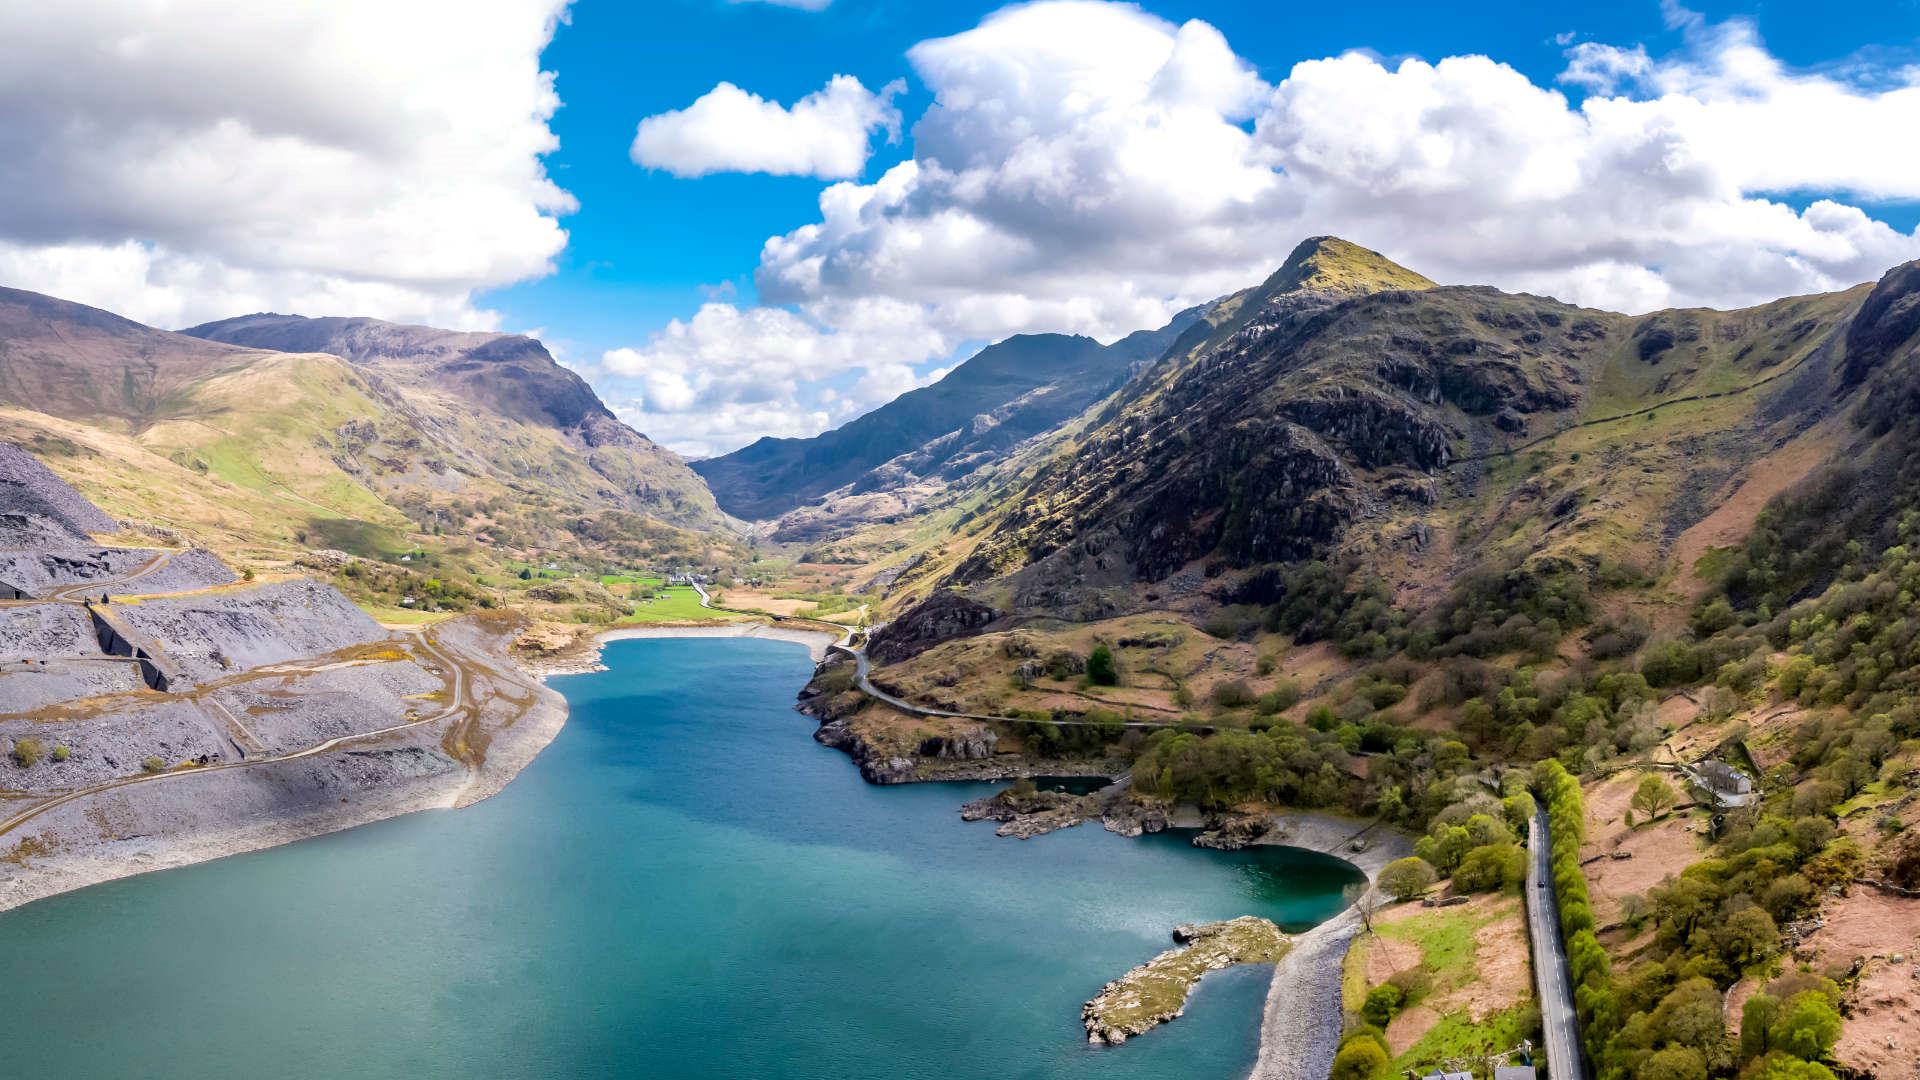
[{"x": 684, "y": 884}]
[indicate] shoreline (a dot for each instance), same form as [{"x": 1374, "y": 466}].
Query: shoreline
[
  {"x": 1300, "y": 1025},
  {"x": 1301, "y": 1018},
  {"x": 215, "y": 814},
  {"x": 585, "y": 660}
]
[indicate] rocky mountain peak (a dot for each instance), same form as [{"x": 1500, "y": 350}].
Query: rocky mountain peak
[
  {"x": 1330, "y": 264},
  {"x": 1889, "y": 319}
]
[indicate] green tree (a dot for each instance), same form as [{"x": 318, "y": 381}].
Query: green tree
[
  {"x": 1808, "y": 1026},
  {"x": 1757, "y": 1018},
  {"x": 1490, "y": 867},
  {"x": 1653, "y": 797},
  {"x": 1673, "y": 1063},
  {"x": 1100, "y": 666},
  {"x": 1782, "y": 1067},
  {"x": 1748, "y": 937},
  {"x": 1404, "y": 879}
]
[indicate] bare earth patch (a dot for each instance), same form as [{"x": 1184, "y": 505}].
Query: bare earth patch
[
  {"x": 1653, "y": 852},
  {"x": 1733, "y": 519},
  {"x": 1881, "y": 1036},
  {"x": 1497, "y": 976}
]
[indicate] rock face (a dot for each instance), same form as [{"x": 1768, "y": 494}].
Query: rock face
[
  {"x": 1130, "y": 818},
  {"x": 37, "y": 509},
  {"x": 876, "y": 765},
  {"x": 1234, "y": 833},
  {"x": 1156, "y": 991},
  {"x": 1311, "y": 403},
  {"x": 208, "y": 636},
  {"x": 941, "y": 617}
]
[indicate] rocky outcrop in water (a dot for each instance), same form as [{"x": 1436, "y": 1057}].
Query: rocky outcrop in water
[
  {"x": 876, "y": 765},
  {"x": 1234, "y": 833},
  {"x": 1026, "y": 814},
  {"x": 1156, "y": 991}
]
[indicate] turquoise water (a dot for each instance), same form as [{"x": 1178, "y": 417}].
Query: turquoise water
[{"x": 680, "y": 886}]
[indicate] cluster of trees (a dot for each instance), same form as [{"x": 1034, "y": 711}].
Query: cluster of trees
[
  {"x": 389, "y": 586},
  {"x": 1474, "y": 843},
  {"x": 1282, "y": 765},
  {"x": 1505, "y": 607},
  {"x": 1316, "y": 601}
]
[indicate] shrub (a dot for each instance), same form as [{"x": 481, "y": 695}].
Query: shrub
[
  {"x": 1284, "y": 695},
  {"x": 153, "y": 764},
  {"x": 1360, "y": 1059},
  {"x": 61, "y": 753},
  {"x": 1101, "y": 668},
  {"x": 1232, "y": 694},
  {"x": 1382, "y": 1003},
  {"x": 28, "y": 752}
]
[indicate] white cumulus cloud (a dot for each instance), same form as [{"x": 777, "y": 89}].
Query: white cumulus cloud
[
  {"x": 348, "y": 156},
  {"x": 825, "y": 134},
  {"x": 1089, "y": 167}
]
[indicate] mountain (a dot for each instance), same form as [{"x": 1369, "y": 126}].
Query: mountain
[
  {"x": 1009, "y": 392},
  {"x": 1349, "y": 410},
  {"x": 476, "y": 446},
  {"x": 508, "y": 400}
]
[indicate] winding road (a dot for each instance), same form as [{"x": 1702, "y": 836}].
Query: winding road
[{"x": 1558, "y": 1021}]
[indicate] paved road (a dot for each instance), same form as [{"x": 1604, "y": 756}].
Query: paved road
[{"x": 1558, "y": 1021}]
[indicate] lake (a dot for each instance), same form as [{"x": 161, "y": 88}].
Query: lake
[{"x": 683, "y": 885}]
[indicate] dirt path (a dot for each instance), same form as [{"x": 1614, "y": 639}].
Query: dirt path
[{"x": 457, "y": 702}]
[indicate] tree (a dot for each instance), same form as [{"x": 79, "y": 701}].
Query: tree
[
  {"x": 1673, "y": 1063},
  {"x": 1757, "y": 1018},
  {"x": 1690, "y": 1015},
  {"x": 1653, "y": 797},
  {"x": 1404, "y": 879},
  {"x": 1782, "y": 1067},
  {"x": 1747, "y": 937},
  {"x": 1100, "y": 667},
  {"x": 1444, "y": 846},
  {"x": 1490, "y": 867},
  {"x": 1808, "y": 1026}
]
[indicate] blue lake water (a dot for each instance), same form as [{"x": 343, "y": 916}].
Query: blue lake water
[{"x": 683, "y": 885}]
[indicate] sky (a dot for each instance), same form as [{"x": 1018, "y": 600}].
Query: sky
[{"x": 742, "y": 218}]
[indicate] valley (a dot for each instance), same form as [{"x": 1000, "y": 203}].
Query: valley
[{"x": 1348, "y": 561}]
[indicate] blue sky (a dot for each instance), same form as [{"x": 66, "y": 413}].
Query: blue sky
[
  {"x": 774, "y": 264},
  {"x": 644, "y": 243},
  {"x": 647, "y": 247}
]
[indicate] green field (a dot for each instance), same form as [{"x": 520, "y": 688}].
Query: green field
[
  {"x": 681, "y": 604},
  {"x": 630, "y": 579}
]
